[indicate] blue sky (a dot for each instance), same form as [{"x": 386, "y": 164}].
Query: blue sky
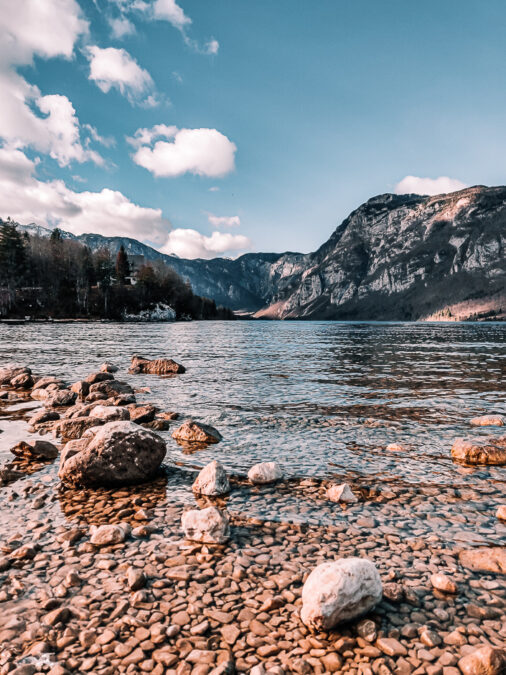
[{"x": 307, "y": 110}]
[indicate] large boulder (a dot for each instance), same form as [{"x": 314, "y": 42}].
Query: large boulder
[
  {"x": 265, "y": 472},
  {"x": 209, "y": 526},
  {"x": 155, "y": 367},
  {"x": 10, "y": 371},
  {"x": 212, "y": 481},
  {"x": 339, "y": 591},
  {"x": 141, "y": 414},
  {"x": 196, "y": 432},
  {"x": 118, "y": 453},
  {"x": 480, "y": 450},
  {"x": 81, "y": 389},
  {"x": 44, "y": 382},
  {"x": 43, "y": 416},
  {"x": 22, "y": 381}
]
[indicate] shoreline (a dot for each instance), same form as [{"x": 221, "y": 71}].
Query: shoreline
[{"x": 156, "y": 602}]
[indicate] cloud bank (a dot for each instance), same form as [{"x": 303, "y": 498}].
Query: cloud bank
[
  {"x": 188, "y": 243},
  {"x": 223, "y": 221}
]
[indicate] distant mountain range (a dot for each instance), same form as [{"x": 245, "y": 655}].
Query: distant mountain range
[{"x": 404, "y": 257}]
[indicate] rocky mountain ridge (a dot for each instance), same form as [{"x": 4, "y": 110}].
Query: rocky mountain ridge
[{"x": 403, "y": 257}]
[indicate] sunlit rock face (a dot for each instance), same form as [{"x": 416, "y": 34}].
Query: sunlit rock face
[{"x": 403, "y": 257}]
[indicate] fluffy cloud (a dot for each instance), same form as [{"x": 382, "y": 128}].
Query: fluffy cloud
[
  {"x": 115, "y": 68},
  {"x": 223, "y": 221},
  {"x": 428, "y": 186},
  {"x": 188, "y": 243},
  {"x": 46, "y": 123},
  {"x": 27, "y": 199},
  {"x": 170, "y": 11},
  {"x": 204, "y": 152}
]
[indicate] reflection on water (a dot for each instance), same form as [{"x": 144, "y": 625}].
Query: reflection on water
[{"x": 318, "y": 397}]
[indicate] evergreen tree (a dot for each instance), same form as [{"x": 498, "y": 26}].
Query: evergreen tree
[
  {"x": 122, "y": 266},
  {"x": 13, "y": 259}
]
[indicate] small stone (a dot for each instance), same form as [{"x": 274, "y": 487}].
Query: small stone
[
  {"x": 265, "y": 472},
  {"x": 136, "y": 578},
  {"x": 209, "y": 525},
  {"x": 443, "y": 583},
  {"x": 107, "y": 535},
  {"x": 341, "y": 493},
  {"x": 501, "y": 512},
  {"x": 391, "y": 647},
  {"x": 196, "y": 432},
  {"x": 488, "y": 421},
  {"x": 212, "y": 481}
]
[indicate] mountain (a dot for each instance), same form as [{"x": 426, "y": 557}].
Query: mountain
[{"x": 403, "y": 257}]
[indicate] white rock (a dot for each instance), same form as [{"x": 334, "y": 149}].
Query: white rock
[
  {"x": 209, "y": 525},
  {"x": 339, "y": 591},
  {"x": 110, "y": 413},
  {"x": 488, "y": 421},
  {"x": 265, "y": 472},
  {"x": 341, "y": 493},
  {"x": 212, "y": 481},
  {"x": 107, "y": 535}
]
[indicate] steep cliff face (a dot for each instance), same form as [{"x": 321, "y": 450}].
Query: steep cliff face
[
  {"x": 403, "y": 257},
  {"x": 395, "y": 257}
]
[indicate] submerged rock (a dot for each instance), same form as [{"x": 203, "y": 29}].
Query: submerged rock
[
  {"x": 210, "y": 525},
  {"x": 339, "y": 591},
  {"x": 341, "y": 493},
  {"x": 212, "y": 481},
  {"x": 108, "y": 368},
  {"x": 37, "y": 450},
  {"x": 155, "y": 366},
  {"x": 486, "y": 660},
  {"x": 118, "y": 453},
  {"x": 396, "y": 447},
  {"x": 480, "y": 450},
  {"x": 488, "y": 421},
  {"x": 142, "y": 413},
  {"x": 490, "y": 559},
  {"x": 265, "y": 472},
  {"x": 196, "y": 432}
]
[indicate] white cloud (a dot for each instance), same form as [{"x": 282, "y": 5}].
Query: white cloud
[
  {"x": 27, "y": 199},
  {"x": 212, "y": 47},
  {"x": 170, "y": 11},
  {"x": 48, "y": 123},
  {"x": 223, "y": 221},
  {"x": 204, "y": 152},
  {"x": 121, "y": 26},
  {"x": 428, "y": 186},
  {"x": 115, "y": 68},
  {"x": 214, "y": 188},
  {"x": 188, "y": 243},
  {"x": 107, "y": 141}
]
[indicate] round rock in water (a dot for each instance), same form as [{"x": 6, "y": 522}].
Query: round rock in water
[
  {"x": 339, "y": 591},
  {"x": 209, "y": 526},
  {"x": 119, "y": 453},
  {"x": 482, "y": 450},
  {"x": 196, "y": 432},
  {"x": 212, "y": 481},
  {"x": 265, "y": 472}
]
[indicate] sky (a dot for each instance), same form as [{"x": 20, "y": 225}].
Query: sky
[{"x": 215, "y": 127}]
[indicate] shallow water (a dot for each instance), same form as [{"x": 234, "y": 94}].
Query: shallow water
[{"x": 318, "y": 397}]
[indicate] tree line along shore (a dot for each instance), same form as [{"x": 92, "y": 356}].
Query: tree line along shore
[{"x": 57, "y": 278}]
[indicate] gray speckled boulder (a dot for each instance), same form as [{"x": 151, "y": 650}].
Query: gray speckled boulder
[{"x": 118, "y": 453}]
